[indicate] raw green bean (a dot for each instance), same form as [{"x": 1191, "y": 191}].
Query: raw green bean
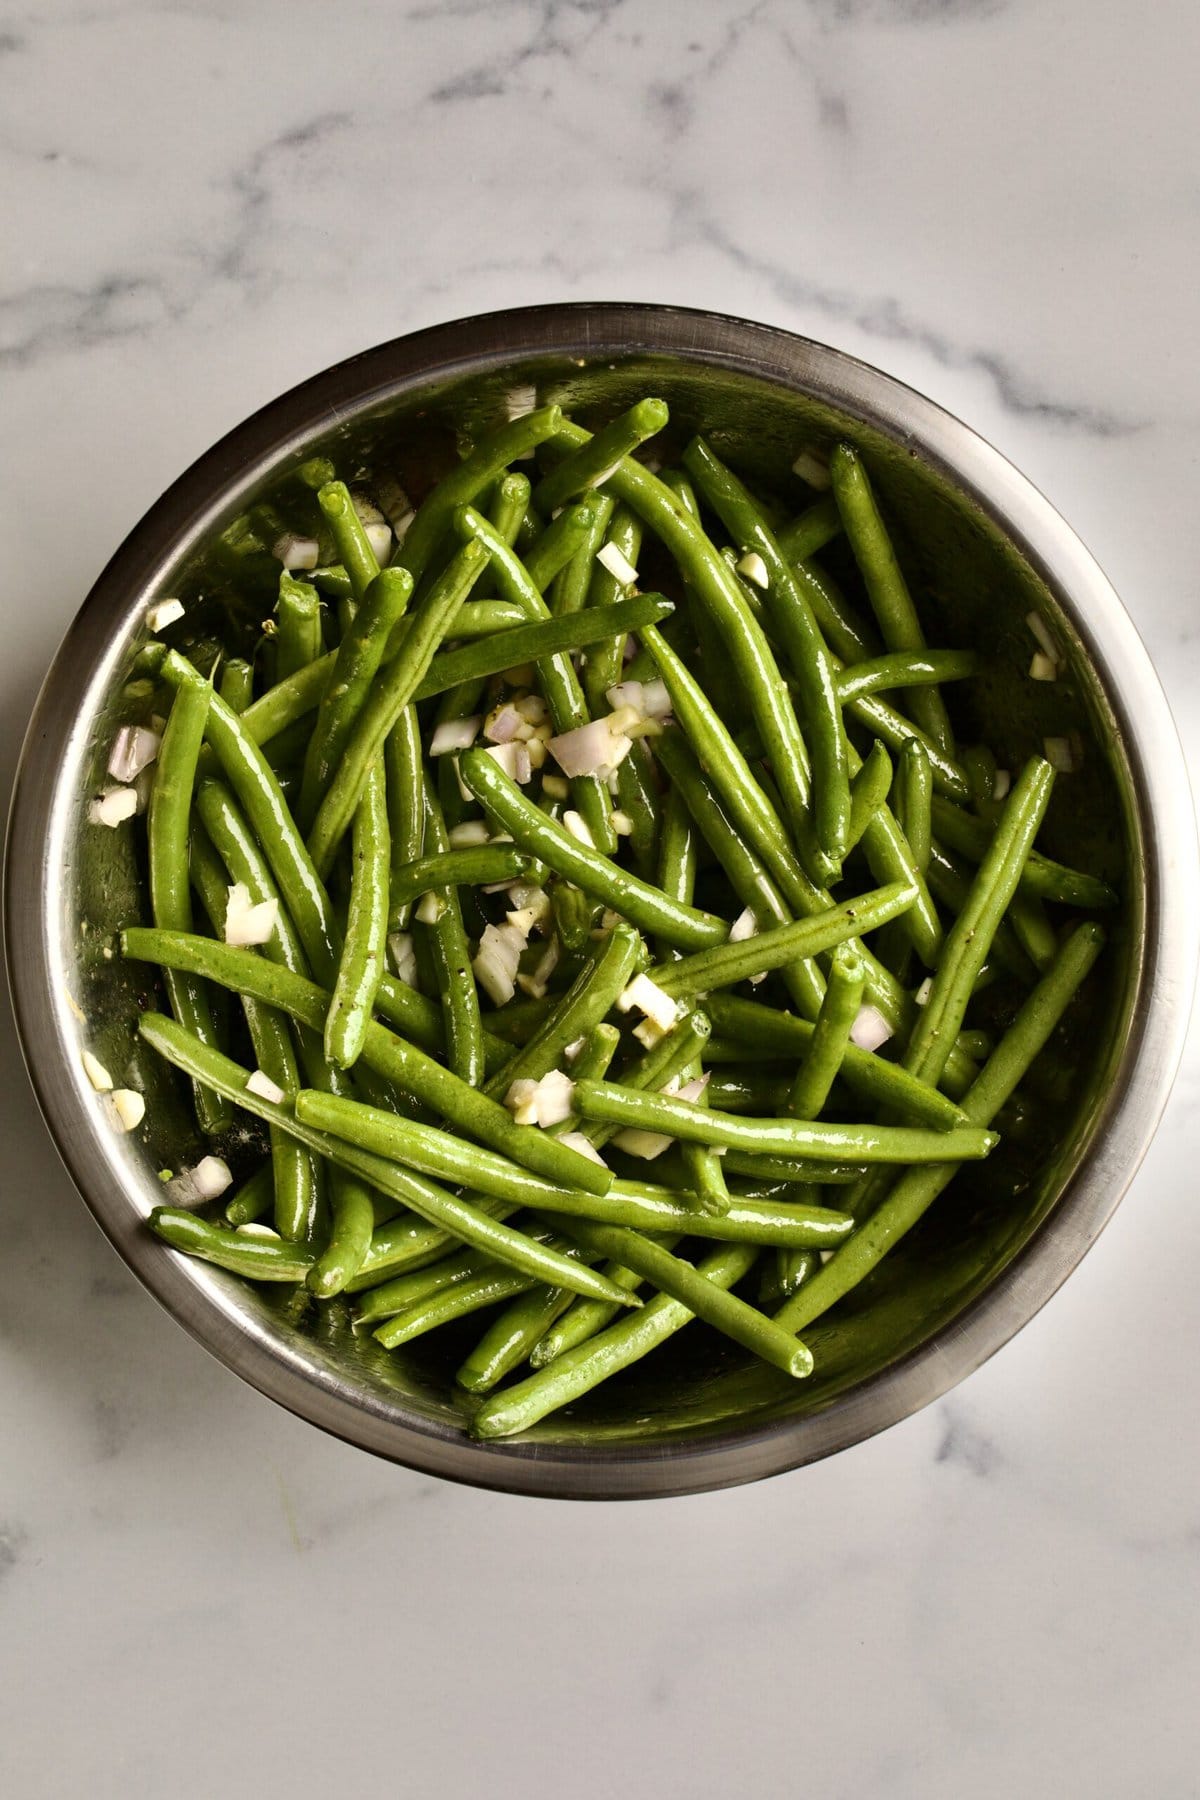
[
  {"x": 559, "y": 542},
  {"x": 349, "y": 536},
  {"x": 451, "y": 956},
  {"x": 1033, "y": 930},
  {"x": 253, "y": 1199},
  {"x": 591, "y": 464},
  {"x": 297, "y": 626},
  {"x": 352, "y": 1224},
  {"x": 817, "y": 526},
  {"x": 592, "y": 1062},
  {"x": 362, "y": 960},
  {"x": 568, "y": 593},
  {"x": 792, "y": 1171},
  {"x": 237, "y": 684},
  {"x": 868, "y": 791},
  {"x": 798, "y": 631},
  {"x": 831, "y": 1035},
  {"x": 457, "y": 1302},
  {"x": 409, "y": 1067},
  {"x": 467, "y": 482},
  {"x": 355, "y": 669},
  {"x": 476, "y": 865},
  {"x": 816, "y": 1140},
  {"x": 886, "y": 586},
  {"x": 644, "y": 905},
  {"x": 584, "y": 1367},
  {"x": 509, "y": 1339},
  {"x": 405, "y": 771},
  {"x": 584, "y": 1318},
  {"x": 461, "y": 1219},
  {"x": 531, "y": 643},
  {"x": 388, "y": 698},
  {"x": 726, "y": 964},
  {"x": 716, "y": 588},
  {"x": 676, "y": 859},
  {"x": 970, "y": 936},
  {"x": 403, "y": 1291},
  {"x": 914, "y": 798},
  {"x": 260, "y": 1259},
  {"x": 950, "y": 885},
  {"x": 170, "y": 893},
  {"x": 917, "y": 1189},
  {"x": 734, "y": 1318},
  {"x": 1041, "y": 877},
  {"x": 895, "y": 730},
  {"x": 588, "y": 1000},
  {"x": 703, "y": 1170},
  {"x": 793, "y": 1268},
  {"x": 904, "y": 669}
]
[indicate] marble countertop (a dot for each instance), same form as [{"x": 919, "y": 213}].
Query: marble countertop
[{"x": 997, "y": 200}]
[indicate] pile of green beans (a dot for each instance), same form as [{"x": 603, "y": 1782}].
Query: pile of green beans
[{"x": 754, "y": 948}]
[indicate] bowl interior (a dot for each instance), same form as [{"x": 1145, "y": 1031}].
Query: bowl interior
[{"x": 980, "y": 585}]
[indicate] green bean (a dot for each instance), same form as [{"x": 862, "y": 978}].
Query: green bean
[
  {"x": 461, "y": 1219},
  {"x": 917, "y": 1189},
  {"x": 304, "y": 898},
  {"x": 405, "y": 771},
  {"x": 281, "y": 707},
  {"x": 237, "y": 684},
  {"x": 657, "y": 1067},
  {"x": 886, "y": 586},
  {"x": 297, "y": 626},
  {"x": 716, "y": 589},
  {"x": 408, "y": 1245},
  {"x": 792, "y": 1171},
  {"x": 569, "y": 591},
  {"x": 592, "y": 1062},
  {"x": 349, "y": 536},
  {"x": 451, "y": 955},
  {"x": 253, "y": 1199},
  {"x": 757, "y": 1088},
  {"x": 816, "y": 1140},
  {"x": 353, "y": 1221},
  {"x": 1041, "y": 878},
  {"x": 584, "y": 1318},
  {"x": 868, "y": 791},
  {"x": 559, "y": 543},
  {"x": 476, "y": 865},
  {"x": 793, "y": 1268},
  {"x": 831, "y": 1035},
  {"x": 388, "y": 698},
  {"x": 556, "y": 675},
  {"x": 644, "y": 905},
  {"x": 170, "y": 893},
  {"x": 509, "y": 505},
  {"x": 584, "y": 1367},
  {"x": 457, "y": 1302},
  {"x": 638, "y": 798},
  {"x": 704, "y": 1172},
  {"x": 885, "y": 723},
  {"x": 730, "y": 963},
  {"x": 591, "y": 996},
  {"x": 592, "y": 464},
  {"x": 403, "y": 1291},
  {"x": 1033, "y": 930},
  {"x": 389, "y": 1055},
  {"x": 734, "y": 1318},
  {"x": 890, "y": 858},
  {"x": 971, "y": 935},
  {"x": 950, "y": 885},
  {"x": 354, "y": 672},
  {"x": 914, "y": 798},
  {"x": 603, "y": 666},
  {"x": 464, "y": 484},
  {"x": 676, "y": 859},
  {"x": 797, "y": 628},
  {"x": 817, "y": 526},
  {"x": 362, "y": 961},
  {"x": 905, "y": 669},
  {"x": 532, "y": 643},
  {"x": 509, "y": 1339},
  {"x": 261, "y": 1259}
]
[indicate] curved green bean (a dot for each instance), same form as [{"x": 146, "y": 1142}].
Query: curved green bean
[
  {"x": 831, "y": 1034},
  {"x": 260, "y": 1259},
  {"x": 905, "y": 669},
  {"x": 532, "y": 643}
]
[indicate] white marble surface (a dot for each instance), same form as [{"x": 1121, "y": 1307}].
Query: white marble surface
[{"x": 206, "y": 202}]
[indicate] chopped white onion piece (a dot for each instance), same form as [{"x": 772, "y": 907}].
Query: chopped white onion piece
[
  {"x": 743, "y": 927},
  {"x": 1001, "y": 782},
  {"x": 646, "y": 1144},
  {"x": 656, "y": 701},
  {"x": 572, "y": 1050},
  {"x": 246, "y": 924},
  {"x": 753, "y": 568},
  {"x": 826, "y": 1256},
  {"x": 650, "y": 999},
  {"x": 555, "y": 787},
  {"x": 401, "y": 525},
  {"x": 521, "y": 1101},
  {"x": 257, "y": 1232},
  {"x": 693, "y": 1090},
  {"x": 404, "y": 957},
  {"x": 649, "y": 1034},
  {"x": 520, "y": 400},
  {"x": 622, "y": 824},
  {"x": 1063, "y": 753},
  {"x": 870, "y": 1028},
  {"x": 469, "y": 832},
  {"x": 264, "y": 1087},
  {"x": 134, "y": 749},
  {"x": 627, "y": 693},
  {"x": 365, "y": 510},
  {"x": 504, "y": 723},
  {"x": 1043, "y": 668},
  {"x": 617, "y": 564},
  {"x": 394, "y": 503},
  {"x": 207, "y": 1181},
  {"x": 163, "y": 613},
  {"x": 429, "y": 908},
  {"x": 535, "y": 750},
  {"x": 296, "y": 552},
  {"x": 535, "y": 984},
  {"x": 532, "y": 708},
  {"x": 546, "y": 1102},
  {"x": 454, "y": 734},
  {"x": 598, "y": 481},
  {"x": 497, "y": 959},
  {"x": 579, "y": 829},
  {"x": 592, "y": 749},
  {"x": 575, "y": 1140},
  {"x": 513, "y": 759},
  {"x": 114, "y": 806},
  {"x": 923, "y": 992},
  {"x": 128, "y": 1108},
  {"x": 379, "y": 535},
  {"x": 810, "y": 466},
  {"x": 96, "y": 1072},
  {"x": 1041, "y": 632}
]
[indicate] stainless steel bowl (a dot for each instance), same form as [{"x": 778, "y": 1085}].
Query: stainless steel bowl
[{"x": 990, "y": 1254}]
